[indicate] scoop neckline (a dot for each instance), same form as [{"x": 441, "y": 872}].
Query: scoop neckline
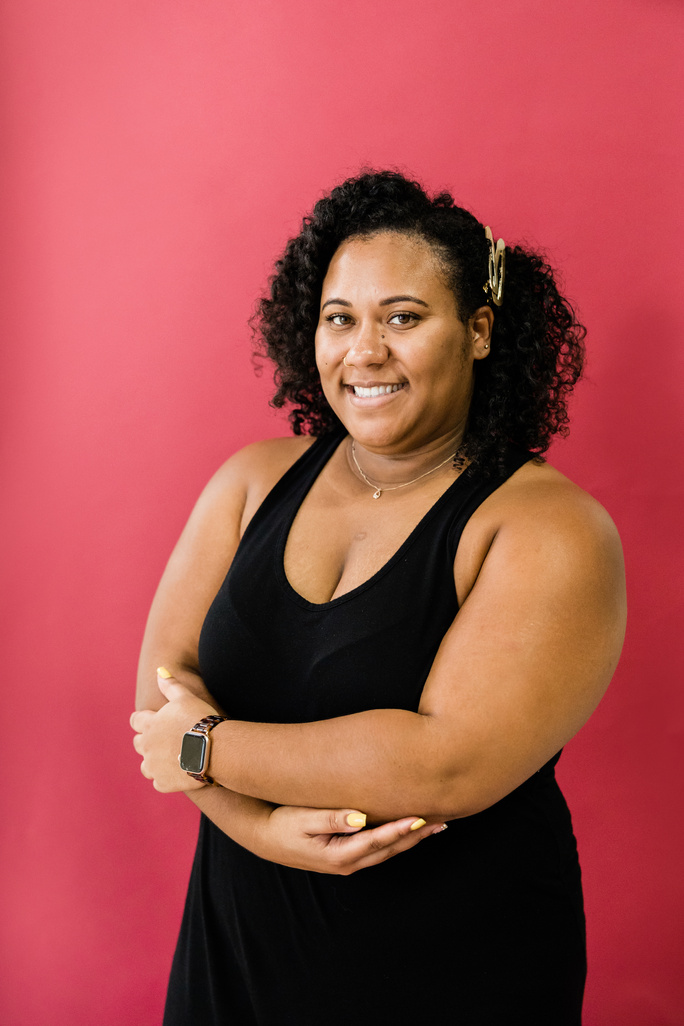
[{"x": 384, "y": 569}]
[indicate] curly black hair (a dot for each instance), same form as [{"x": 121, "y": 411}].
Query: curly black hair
[{"x": 521, "y": 390}]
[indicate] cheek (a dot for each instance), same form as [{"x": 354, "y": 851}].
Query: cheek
[
  {"x": 325, "y": 365},
  {"x": 455, "y": 356},
  {"x": 322, "y": 354},
  {"x": 328, "y": 354},
  {"x": 452, "y": 371},
  {"x": 441, "y": 359}
]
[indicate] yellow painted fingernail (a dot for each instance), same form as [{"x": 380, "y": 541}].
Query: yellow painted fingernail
[
  {"x": 356, "y": 819},
  {"x": 417, "y": 825},
  {"x": 163, "y": 672}
]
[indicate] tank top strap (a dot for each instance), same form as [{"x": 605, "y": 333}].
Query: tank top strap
[
  {"x": 291, "y": 488},
  {"x": 474, "y": 491}
]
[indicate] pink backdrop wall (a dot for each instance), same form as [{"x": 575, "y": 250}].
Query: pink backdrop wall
[{"x": 157, "y": 156}]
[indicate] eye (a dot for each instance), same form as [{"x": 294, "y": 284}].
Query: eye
[
  {"x": 340, "y": 320},
  {"x": 403, "y": 318}
]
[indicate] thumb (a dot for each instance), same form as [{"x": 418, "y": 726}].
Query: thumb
[{"x": 167, "y": 683}]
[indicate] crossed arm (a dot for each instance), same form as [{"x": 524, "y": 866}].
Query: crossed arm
[{"x": 520, "y": 670}]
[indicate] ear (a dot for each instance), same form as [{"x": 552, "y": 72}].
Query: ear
[{"x": 480, "y": 325}]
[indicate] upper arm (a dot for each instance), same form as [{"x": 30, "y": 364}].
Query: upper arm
[
  {"x": 192, "y": 577},
  {"x": 201, "y": 560},
  {"x": 534, "y": 645}
]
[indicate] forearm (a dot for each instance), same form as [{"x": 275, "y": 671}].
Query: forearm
[
  {"x": 388, "y": 762},
  {"x": 236, "y": 815},
  {"x": 384, "y": 761}
]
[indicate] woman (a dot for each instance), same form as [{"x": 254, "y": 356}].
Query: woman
[{"x": 405, "y": 613}]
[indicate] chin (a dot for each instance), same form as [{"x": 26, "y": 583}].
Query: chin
[{"x": 380, "y": 436}]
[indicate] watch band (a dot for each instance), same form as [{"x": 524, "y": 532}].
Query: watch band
[{"x": 203, "y": 727}]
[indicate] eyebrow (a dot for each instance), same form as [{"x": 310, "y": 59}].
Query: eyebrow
[{"x": 383, "y": 302}]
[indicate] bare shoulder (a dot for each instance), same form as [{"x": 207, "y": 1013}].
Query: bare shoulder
[
  {"x": 241, "y": 484},
  {"x": 542, "y": 516},
  {"x": 540, "y": 493}
]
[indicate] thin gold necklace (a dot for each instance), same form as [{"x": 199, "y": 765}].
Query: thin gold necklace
[{"x": 391, "y": 488}]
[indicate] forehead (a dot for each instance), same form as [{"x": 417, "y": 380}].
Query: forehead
[{"x": 383, "y": 265}]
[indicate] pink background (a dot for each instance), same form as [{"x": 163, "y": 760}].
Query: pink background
[{"x": 157, "y": 156}]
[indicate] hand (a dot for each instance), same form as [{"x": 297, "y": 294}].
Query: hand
[
  {"x": 323, "y": 841},
  {"x": 159, "y": 735}
]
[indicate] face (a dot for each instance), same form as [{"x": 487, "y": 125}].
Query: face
[{"x": 387, "y": 311}]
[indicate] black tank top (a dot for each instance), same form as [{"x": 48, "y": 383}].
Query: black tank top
[{"x": 481, "y": 926}]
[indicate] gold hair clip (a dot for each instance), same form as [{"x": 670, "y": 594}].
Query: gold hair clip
[{"x": 497, "y": 267}]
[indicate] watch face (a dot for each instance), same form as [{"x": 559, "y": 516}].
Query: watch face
[{"x": 192, "y": 753}]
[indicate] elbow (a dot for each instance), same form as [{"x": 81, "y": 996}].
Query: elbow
[
  {"x": 456, "y": 797},
  {"x": 463, "y": 792},
  {"x": 460, "y": 776},
  {"x": 454, "y": 791}
]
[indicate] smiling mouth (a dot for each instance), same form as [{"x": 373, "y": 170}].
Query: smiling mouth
[{"x": 369, "y": 393}]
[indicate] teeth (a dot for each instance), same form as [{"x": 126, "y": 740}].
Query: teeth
[{"x": 368, "y": 393}]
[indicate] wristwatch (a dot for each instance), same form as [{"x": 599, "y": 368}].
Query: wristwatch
[{"x": 194, "y": 753}]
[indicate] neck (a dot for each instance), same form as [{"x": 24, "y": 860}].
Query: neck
[{"x": 392, "y": 469}]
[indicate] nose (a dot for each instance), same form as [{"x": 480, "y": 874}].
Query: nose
[{"x": 367, "y": 350}]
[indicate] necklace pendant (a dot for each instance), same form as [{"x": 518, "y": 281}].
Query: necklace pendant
[{"x": 376, "y": 495}]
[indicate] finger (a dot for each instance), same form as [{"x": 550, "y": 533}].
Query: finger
[
  {"x": 138, "y": 743},
  {"x": 379, "y": 844},
  {"x": 139, "y": 720},
  {"x": 143, "y": 770},
  {"x": 334, "y": 821},
  {"x": 411, "y": 830}
]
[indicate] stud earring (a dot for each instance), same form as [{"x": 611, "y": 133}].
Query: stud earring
[{"x": 486, "y": 345}]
